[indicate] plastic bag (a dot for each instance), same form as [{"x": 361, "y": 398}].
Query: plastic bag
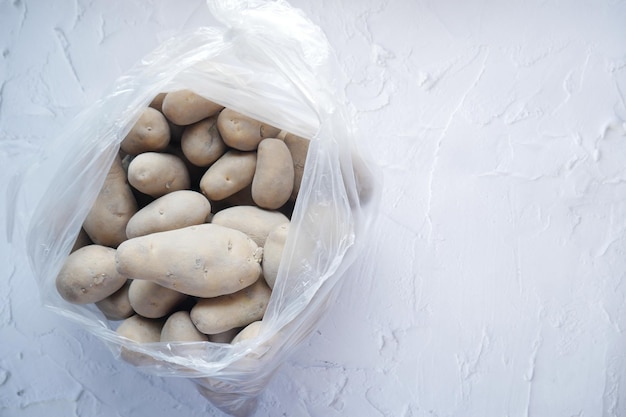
[{"x": 271, "y": 63}]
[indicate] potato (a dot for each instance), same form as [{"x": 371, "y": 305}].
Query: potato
[
  {"x": 185, "y": 107},
  {"x": 207, "y": 260},
  {"x": 195, "y": 172},
  {"x": 157, "y": 102},
  {"x": 157, "y": 174},
  {"x": 240, "y": 198},
  {"x": 251, "y": 220},
  {"x": 141, "y": 330},
  {"x": 114, "y": 206},
  {"x": 273, "y": 251},
  {"x": 175, "y": 210},
  {"x": 89, "y": 275},
  {"x": 150, "y": 133},
  {"x": 179, "y": 328},
  {"x": 117, "y": 305},
  {"x": 219, "y": 314},
  {"x": 202, "y": 144},
  {"x": 224, "y": 337},
  {"x": 242, "y": 132},
  {"x": 152, "y": 300},
  {"x": 231, "y": 173},
  {"x": 274, "y": 176},
  {"x": 82, "y": 239},
  {"x": 249, "y": 332},
  {"x": 298, "y": 148}
]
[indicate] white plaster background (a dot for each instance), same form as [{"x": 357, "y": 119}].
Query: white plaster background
[{"x": 495, "y": 285}]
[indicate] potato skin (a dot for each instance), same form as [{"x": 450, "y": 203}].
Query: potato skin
[
  {"x": 224, "y": 337},
  {"x": 219, "y": 314},
  {"x": 89, "y": 275},
  {"x": 114, "y": 206},
  {"x": 179, "y": 328},
  {"x": 298, "y": 148},
  {"x": 117, "y": 305},
  {"x": 229, "y": 174},
  {"x": 274, "y": 175},
  {"x": 175, "y": 210},
  {"x": 207, "y": 260},
  {"x": 249, "y": 332},
  {"x": 202, "y": 143},
  {"x": 82, "y": 239},
  {"x": 152, "y": 300},
  {"x": 273, "y": 251},
  {"x": 150, "y": 133},
  {"x": 157, "y": 102},
  {"x": 251, "y": 220},
  {"x": 141, "y": 330},
  {"x": 157, "y": 174},
  {"x": 185, "y": 107},
  {"x": 242, "y": 132}
]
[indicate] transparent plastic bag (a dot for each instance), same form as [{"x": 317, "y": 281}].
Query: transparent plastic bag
[{"x": 271, "y": 63}]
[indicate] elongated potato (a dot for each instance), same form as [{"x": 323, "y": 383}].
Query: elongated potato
[
  {"x": 157, "y": 174},
  {"x": 202, "y": 143},
  {"x": 185, "y": 107},
  {"x": 152, "y": 300},
  {"x": 299, "y": 148},
  {"x": 231, "y": 173},
  {"x": 273, "y": 178},
  {"x": 140, "y": 330},
  {"x": 175, "y": 210},
  {"x": 242, "y": 132},
  {"x": 117, "y": 305},
  {"x": 251, "y": 220},
  {"x": 150, "y": 133},
  {"x": 179, "y": 328},
  {"x": 273, "y": 251},
  {"x": 249, "y": 332},
  {"x": 219, "y": 314},
  {"x": 115, "y": 205},
  {"x": 89, "y": 275},
  {"x": 207, "y": 260}
]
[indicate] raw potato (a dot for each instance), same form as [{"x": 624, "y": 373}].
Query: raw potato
[
  {"x": 251, "y": 220},
  {"x": 273, "y": 251},
  {"x": 202, "y": 144},
  {"x": 115, "y": 205},
  {"x": 157, "y": 174},
  {"x": 172, "y": 211},
  {"x": 117, "y": 305},
  {"x": 150, "y": 133},
  {"x": 242, "y": 132},
  {"x": 224, "y": 337},
  {"x": 299, "y": 148},
  {"x": 185, "y": 107},
  {"x": 231, "y": 173},
  {"x": 141, "y": 330},
  {"x": 207, "y": 260},
  {"x": 89, "y": 275},
  {"x": 219, "y": 314},
  {"x": 179, "y": 328},
  {"x": 249, "y": 332},
  {"x": 81, "y": 240},
  {"x": 274, "y": 175},
  {"x": 152, "y": 300},
  {"x": 157, "y": 102}
]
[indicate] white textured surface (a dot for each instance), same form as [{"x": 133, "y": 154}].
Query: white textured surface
[{"x": 495, "y": 286}]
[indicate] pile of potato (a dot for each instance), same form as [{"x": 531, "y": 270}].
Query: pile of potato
[{"x": 185, "y": 237}]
